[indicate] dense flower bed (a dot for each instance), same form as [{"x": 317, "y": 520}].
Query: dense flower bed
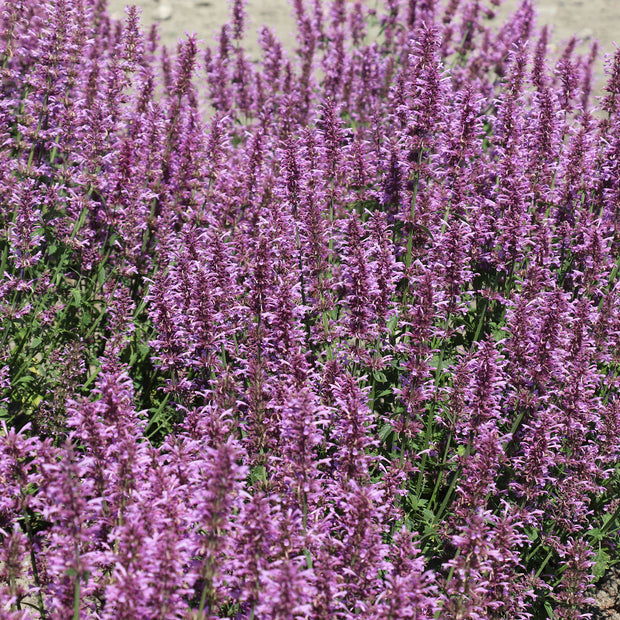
[{"x": 331, "y": 335}]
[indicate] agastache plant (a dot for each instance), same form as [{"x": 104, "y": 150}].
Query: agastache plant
[{"x": 330, "y": 333}]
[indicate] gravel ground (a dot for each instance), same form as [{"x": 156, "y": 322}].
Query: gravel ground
[
  {"x": 607, "y": 597},
  {"x": 589, "y": 20}
]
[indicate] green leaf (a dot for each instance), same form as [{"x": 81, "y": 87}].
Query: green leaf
[
  {"x": 595, "y": 533},
  {"x": 602, "y": 564},
  {"x": 379, "y": 376},
  {"x": 77, "y": 296},
  {"x": 143, "y": 349},
  {"x": 385, "y": 431},
  {"x": 392, "y": 323},
  {"x": 35, "y": 342},
  {"x": 429, "y": 515},
  {"x": 607, "y": 517},
  {"x": 416, "y": 503},
  {"x": 87, "y": 321},
  {"x": 500, "y": 334},
  {"x": 532, "y": 534},
  {"x": 92, "y": 378},
  {"x": 259, "y": 473}
]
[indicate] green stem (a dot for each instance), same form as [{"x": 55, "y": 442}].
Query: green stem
[
  {"x": 33, "y": 564},
  {"x": 207, "y": 594},
  {"x": 410, "y": 236},
  {"x": 431, "y": 501},
  {"x": 481, "y": 320},
  {"x": 542, "y": 566},
  {"x": 76, "y": 598}
]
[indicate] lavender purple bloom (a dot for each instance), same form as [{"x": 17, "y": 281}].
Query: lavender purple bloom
[{"x": 333, "y": 334}]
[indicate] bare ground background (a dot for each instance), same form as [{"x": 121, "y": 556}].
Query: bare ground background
[{"x": 588, "y": 19}]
